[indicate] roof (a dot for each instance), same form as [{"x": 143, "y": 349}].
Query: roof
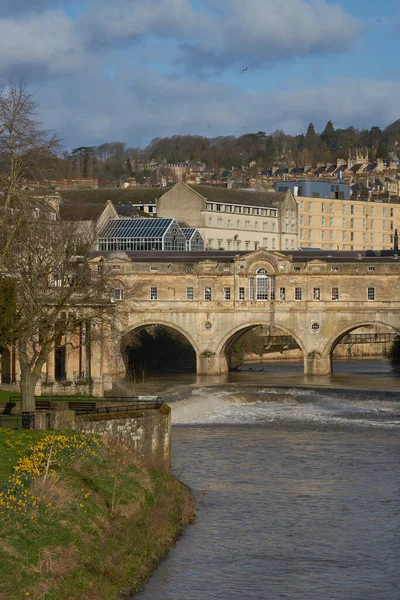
[
  {"x": 135, "y": 228},
  {"x": 243, "y": 197},
  {"x": 80, "y": 212},
  {"x": 188, "y": 232},
  {"x": 134, "y": 195},
  {"x": 126, "y": 210}
]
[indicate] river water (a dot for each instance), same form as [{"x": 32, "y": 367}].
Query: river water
[{"x": 298, "y": 487}]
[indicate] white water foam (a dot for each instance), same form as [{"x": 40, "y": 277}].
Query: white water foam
[{"x": 217, "y": 406}]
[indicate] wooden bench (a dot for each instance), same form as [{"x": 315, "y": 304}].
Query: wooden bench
[
  {"x": 42, "y": 405},
  {"x": 81, "y": 406}
]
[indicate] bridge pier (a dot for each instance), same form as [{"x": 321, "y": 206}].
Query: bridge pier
[
  {"x": 208, "y": 363},
  {"x": 317, "y": 364}
]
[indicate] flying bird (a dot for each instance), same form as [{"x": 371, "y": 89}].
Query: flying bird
[{"x": 245, "y": 69}]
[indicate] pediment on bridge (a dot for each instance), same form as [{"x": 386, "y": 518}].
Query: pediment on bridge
[{"x": 272, "y": 261}]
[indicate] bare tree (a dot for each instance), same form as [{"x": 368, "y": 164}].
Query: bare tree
[
  {"x": 56, "y": 290},
  {"x": 26, "y": 150}
]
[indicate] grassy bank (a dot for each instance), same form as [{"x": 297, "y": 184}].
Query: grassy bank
[{"x": 79, "y": 520}]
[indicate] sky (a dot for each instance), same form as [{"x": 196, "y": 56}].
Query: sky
[{"x": 133, "y": 70}]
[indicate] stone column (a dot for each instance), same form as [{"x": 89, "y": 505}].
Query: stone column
[
  {"x": 211, "y": 364},
  {"x": 317, "y": 364}
]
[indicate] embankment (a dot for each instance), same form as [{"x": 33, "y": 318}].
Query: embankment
[{"x": 79, "y": 520}]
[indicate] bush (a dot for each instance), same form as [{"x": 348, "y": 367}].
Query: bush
[{"x": 394, "y": 355}]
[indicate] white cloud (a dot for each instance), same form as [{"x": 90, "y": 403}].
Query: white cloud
[{"x": 49, "y": 41}]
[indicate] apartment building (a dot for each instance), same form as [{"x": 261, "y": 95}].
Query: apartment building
[
  {"x": 330, "y": 222},
  {"x": 234, "y": 219}
]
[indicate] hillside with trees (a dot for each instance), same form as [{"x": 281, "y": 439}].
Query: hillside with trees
[{"x": 113, "y": 161}]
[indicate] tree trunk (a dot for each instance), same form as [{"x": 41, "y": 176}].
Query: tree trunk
[{"x": 27, "y": 384}]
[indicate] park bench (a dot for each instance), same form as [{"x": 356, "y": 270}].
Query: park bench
[
  {"x": 81, "y": 406},
  {"x": 42, "y": 405},
  {"x": 8, "y": 408}
]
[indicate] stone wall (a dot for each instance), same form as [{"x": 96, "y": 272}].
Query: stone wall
[{"x": 148, "y": 434}]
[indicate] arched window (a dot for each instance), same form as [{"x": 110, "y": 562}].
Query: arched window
[
  {"x": 117, "y": 291},
  {"x": 262, "y": 284}
]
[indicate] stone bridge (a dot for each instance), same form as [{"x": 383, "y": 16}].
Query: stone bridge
[{"x": 213, "y": 301}]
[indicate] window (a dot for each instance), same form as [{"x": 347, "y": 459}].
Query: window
[
  {"x": 296, "y": 268},
  {"x": 351, "y": 222},
  {"x": 364, "y": 211},
  {"x": 262, "y": 284},
  {"x": 335, "y": 269},
  {"x": 310, "y": 234},
  {"x": 384, "y": 225},
  {"x": 372, "y": 224},
  {"x": 364, "y": 224},
  {"x": 343, "y": 222},
  {"x": 209, "y": 243},
  {"x": 371, "y": 293},
  {"x": 391, "y": 226},
  {"x": 219, "y": 222},
  {"x": 189, "y": 293},
  {"x": 228, "y": 208},
  {"x": 372, "y": 211},
  {"x": 316, "y": 293},
  {"x": 256, "y": 225},
  {"x": 254, "y": 211},
  {"x": 209, "y": 206},
  {"x": 332, "y": 209},
  {"x": 343, "y": 209},
  {"x": 310, "y": 207},
  {"x": 384, "y": 238},
  {"x": 330, "y": 221},
  {"x": 246, "y": 210},
  {"x": 301, "y": 234},
  {"x": 118, "y": 294},
  {"x": 302, "y": 206},
  {"x": 272, "y": 280},
  {"x": 207, "y": 294},
  {"x": 343, "y": 236},
  {"x": 331, "y": 237},
  {"x": 352, "y": 209},
  {"x": 282, "y": 293},
  {"x": 392, "y": 212},
  {"x": 371, "y": 268},
  {"x": 323, "y": 207},
  {"x": 251, "y": 288},
  {"x": 352, "y": 237},
  {"x": 265, "y": 242},
  {"x": 301, "y": 220},
  {"x": 335, "y": 293},
  {"x": 218, "y": 207},
  {"x": 297, "y": 293},
  {"x": 323, "y": 234},
  {"x": 219, "y": 244},
  {"x": 364, "y": 238},
  {"x": 247, "y": 225},
  {"x": 228, "y": 243},
  {"x": 237, "y": 209},
  {"x": 384, "y": 211},
  {"x": 247, "y": 244},
  {"x": 227, "y": 293},
  {"x": 153, "y": 269},
  {"x": 153, "y": 293},
  {"x": 273, "y": 243},
  {"x": 323, "y": 221},
  {"x": 310, "y": 221},
  {"x": 241, "y": 293},
  {"x": 372, "y": 238}
]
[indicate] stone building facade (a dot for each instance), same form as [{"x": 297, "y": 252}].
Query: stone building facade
[{"x": 234, "y": 219}]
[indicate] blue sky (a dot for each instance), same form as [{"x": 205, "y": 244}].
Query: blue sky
[{"x": 132, "y": 70}]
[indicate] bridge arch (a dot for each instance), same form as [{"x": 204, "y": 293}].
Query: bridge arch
[
  {"x": 125, "y": 341},
  {"x": 335, "y": 339},
  {"x": 226, "y": 344}
]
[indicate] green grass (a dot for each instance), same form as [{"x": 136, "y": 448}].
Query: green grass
[
  {"x": 108, "y": 526},
  {"x": 5, "y": 395}
]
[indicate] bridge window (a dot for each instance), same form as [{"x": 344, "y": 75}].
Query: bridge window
[
  {"x": 371, "y": 293},
  {"x": 262, "y": 284},
  {"x": 207, "y": 294},
  {"x": 241, "y": 293},
  {"x": 282, "y": 293},
  {"x": 251, "y": 288},
  {"x": 272, "y": 288},
  {"x": 335, "y": 293},
  {"x": 153, "y": 293},
  {"x": 227, "y": 293},
  {"x": 297, "y": 293},
  {"x": 189, "y": 293},
  {"x": 316, "y": 293}
]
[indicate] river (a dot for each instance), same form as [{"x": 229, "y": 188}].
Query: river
[{"x": 298, "y": 486}]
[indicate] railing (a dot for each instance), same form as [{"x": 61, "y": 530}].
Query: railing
[
  {"x": 88, "y": 403},
  {"x": 105, "y": 410},
  {"x": 22, "y": 421}
]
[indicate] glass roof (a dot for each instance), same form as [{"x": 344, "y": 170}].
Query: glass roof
[
  {"x": 132, "y": 228},
  {"x": 188, "y": 232}
]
